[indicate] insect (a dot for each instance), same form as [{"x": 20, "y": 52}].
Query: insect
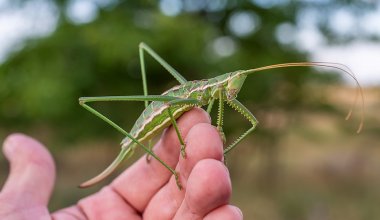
[{"x": 164, "y": 109}]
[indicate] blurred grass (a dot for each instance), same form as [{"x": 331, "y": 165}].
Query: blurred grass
[{"x": 320, "y": 170}]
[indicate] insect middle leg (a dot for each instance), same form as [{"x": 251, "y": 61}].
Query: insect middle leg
[
  {"x": 209, "y": 107},
  {"x": 192, "y": 102}
]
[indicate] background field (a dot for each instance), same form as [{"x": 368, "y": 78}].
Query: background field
[{"x": 303, "y": 162}]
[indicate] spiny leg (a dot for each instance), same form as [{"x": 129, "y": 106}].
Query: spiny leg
[
  {"x": 235, "y": 104},
  {"x": 143, "y": 47},
  {"x": 219, "y": 123},
  {"x": 125, "y": 151}
]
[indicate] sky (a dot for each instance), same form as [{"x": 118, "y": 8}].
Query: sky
[{"x": 38, "y": 18}]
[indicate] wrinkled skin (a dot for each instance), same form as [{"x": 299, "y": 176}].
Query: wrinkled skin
[{"x": 144, "y": 190}]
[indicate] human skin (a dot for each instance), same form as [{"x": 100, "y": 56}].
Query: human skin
[{"x": 143, "y": 191}]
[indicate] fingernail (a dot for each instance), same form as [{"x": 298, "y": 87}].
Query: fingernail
[
  {"x": 209, "y": 116},
  {"x": 240, "y": 212},
  {"x": 12, "y": 142},
  {"x": 204, "y": 112},
  {"x": 9, "y": 144},
  {"x": 225, "y": 167}
]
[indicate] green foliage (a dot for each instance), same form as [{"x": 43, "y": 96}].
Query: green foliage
[{"x": 43, "y": 81}]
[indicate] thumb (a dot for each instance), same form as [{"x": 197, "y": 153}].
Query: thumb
[{"x": 32, "y": 173}]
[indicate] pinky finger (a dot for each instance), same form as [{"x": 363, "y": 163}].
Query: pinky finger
[{"x": 228, "y": 212}]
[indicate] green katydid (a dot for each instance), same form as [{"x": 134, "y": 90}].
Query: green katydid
[{"x": 164, "y": 109}]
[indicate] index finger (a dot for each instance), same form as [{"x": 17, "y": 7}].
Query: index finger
[{"x": 142, "y": 180}]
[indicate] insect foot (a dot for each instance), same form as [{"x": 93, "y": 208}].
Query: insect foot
[
  {"x": 148, "y": 158},
  {"x": 176, "y": 175},
  {"x": 183, "y": 151}
]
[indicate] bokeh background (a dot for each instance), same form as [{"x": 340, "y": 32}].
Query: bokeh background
[{"x": 304, "y": 161}]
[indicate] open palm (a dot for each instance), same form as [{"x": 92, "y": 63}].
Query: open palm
[{"x": 144, "y": 190}]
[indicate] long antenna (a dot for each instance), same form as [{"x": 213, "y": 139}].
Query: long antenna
[{"x": 333, "y": 65}]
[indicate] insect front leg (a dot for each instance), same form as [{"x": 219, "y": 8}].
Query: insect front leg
[
  {"x": 219, "y": 123},
  {"x": 235, "y": 104}
]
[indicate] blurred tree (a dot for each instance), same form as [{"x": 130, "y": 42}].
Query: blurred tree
[{"x": 200, "y": 38}]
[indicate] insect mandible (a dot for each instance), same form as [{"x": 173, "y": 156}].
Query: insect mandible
[{"x": 164, "y": 109}]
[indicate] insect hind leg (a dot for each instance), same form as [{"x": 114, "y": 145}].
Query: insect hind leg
[{"x": 143, "y": 47}]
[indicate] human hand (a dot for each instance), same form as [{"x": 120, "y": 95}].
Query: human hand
[{"x": 144, "y": 190}]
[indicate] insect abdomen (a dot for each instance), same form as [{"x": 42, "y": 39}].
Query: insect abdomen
[{"x": 153, "y": 120}]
